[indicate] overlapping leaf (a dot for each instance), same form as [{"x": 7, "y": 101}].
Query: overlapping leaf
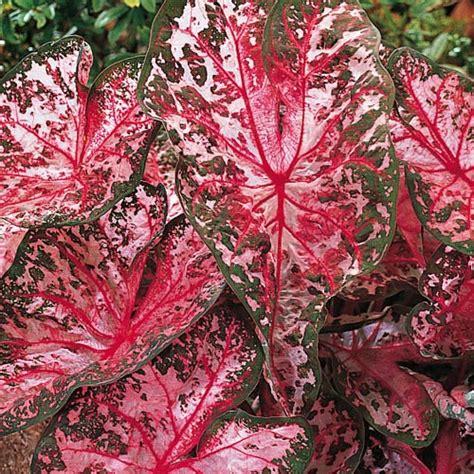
[
  {"x": 69, "y": 314},
  {"x": 152, "y": 420},
  {"x": 67, "y": 154},
  {"x": 161, "y": 169},
  {"x": 448, "y": 406},
  {"x": 454, "y": 453},
  {"x": 347, "y": 321},
  {"x": 368, "y": 374},
  {"x": 444, "y": 327},
  {"x": 289, "y": 176},
  {"x": 434, "y": 137},
  {"x": 389, "y": 456},
  {"x": 338, "y": 434},
  {"x": 398, "y": 270}
]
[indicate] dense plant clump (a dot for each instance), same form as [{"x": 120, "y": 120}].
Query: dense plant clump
[{"x": 250, "y": 250}]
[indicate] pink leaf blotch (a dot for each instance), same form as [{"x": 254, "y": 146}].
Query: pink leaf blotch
[
  {"x": 71, "y": 314},
  {"x": 153, "y": 420},
  {"x": 288, "y": 172}
]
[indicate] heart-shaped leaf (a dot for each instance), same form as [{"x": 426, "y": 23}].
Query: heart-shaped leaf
[
  {"x": 167, "y": 406},
  {"x": 338, "y": 434},
  {"x": 68, "y": 153},
  {"x": 433, "y": 135},
  {"x": 389, "y": 456},
  {"x": 288, "y": 173},
  {"x": 69, "y": 314},
  {"x": 367, "y": 373},
  {"x": 444, "y": 327}
]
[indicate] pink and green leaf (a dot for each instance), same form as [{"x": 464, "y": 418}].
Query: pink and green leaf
[
  {"x": 338, "y": 434},
  {"x": 433, "y": 134},
  {"x": 70, "y": 315},
  {"x": 385, "y": 455},
  {"x": 368, "y": 374},
  {"x": 398, "y": 270},
  {"x": 167, "y": 409},
  {"x": 448, "y": 406},
  {"x": 288, "y": 173},
  {"x": 67, "y": 153},
  {"x": 444, "y": 326}
]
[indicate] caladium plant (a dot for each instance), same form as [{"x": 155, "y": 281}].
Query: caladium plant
[
  {"x": 433, "y": 133},
  {"x": 170, "y": 406},
  {"x": 281, "y": 111},
  {"x": 150, "y": 269},
  {"x": 70, "y": 316}
]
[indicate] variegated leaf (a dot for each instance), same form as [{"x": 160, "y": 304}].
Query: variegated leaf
[
  {"x": 152, "y": 420},
  {"x": 448, "y": 406},
  {"x": 160, "y": 169},
  {"x": 389, "y": 456},
  {"x": 67, "y": 154},
  {"x": 399, "y": 270},
  {"x": 434, "y": 137},
  {"x": 69, "y": 315},
  {"x": 338, "y": 434},
  {"x": 288, "y": 173},
  {"x": 454, "y": 453},
  {"x": 444, "y": 327},
  {"x": 367, "y": 373}
]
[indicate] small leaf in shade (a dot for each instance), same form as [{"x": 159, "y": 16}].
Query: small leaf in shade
[
  {"x": 444, "y": 327},
  {"x": 288, "y": 173},
  {"x": 398, "y": 270},
  {"x": 448, "y": 406},
  {"x": 454, "y": 452},
  {"x": 367, "y": 373},
  {"x": 160, "y": 169},
  {"x": 71, "y": 314},
  {"x": 152, "y": 420},
  {"x": 68, "y": 153},
  {"x": 385, "y": 455},
  {"x": 338, "y": 434},
  {"x": 346, "y": 321},
  {"x": 433, "y": 134}
]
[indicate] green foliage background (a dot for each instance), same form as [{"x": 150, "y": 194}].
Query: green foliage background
[{"x": 119, "y": 28}]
